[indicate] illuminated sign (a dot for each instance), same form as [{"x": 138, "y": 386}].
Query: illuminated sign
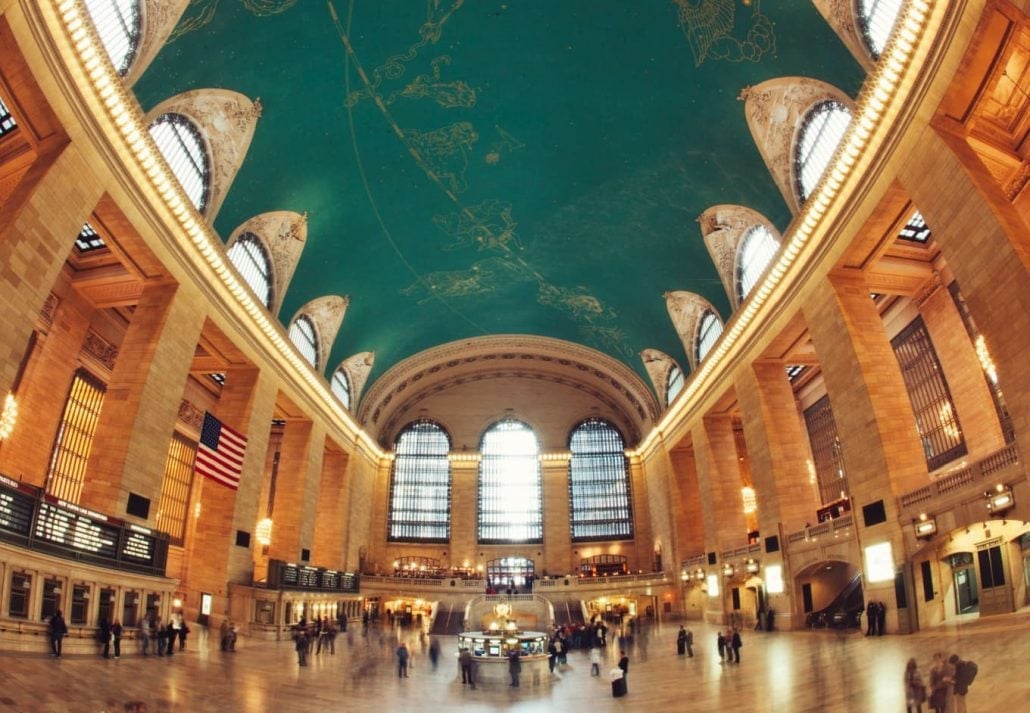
[{"x": 879, "y": 562}]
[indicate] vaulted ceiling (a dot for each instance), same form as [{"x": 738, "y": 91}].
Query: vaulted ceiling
[{"x": 488, "y": 168}]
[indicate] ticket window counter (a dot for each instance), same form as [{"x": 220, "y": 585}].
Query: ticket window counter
[
  {"x": 79, "y": 612},
  {"x": 130, "y": 610},
  {"x": 105, "y": 609},
  {"x": 153, "y": 606},
  {"x": 18, "y": 599},
  {"x": 264, "y": 612},
  {"x": 51, "y": 598}
]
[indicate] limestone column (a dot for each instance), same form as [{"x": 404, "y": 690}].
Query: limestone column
[
  {"x": 331, "y": 511},
  {"x": 141, "y": 404},
  {"x": 245, "y": 407},
  {"x": 777, "y": 448},
  {"x": 38, "y": 226},
  {"x": 464, "y": 506},
  {"x": 987, "y": 246},
  {"x": 557, "y": 547},
  {"x": 882, "y": 451},
  {"x": 719, "y": 484},
  {"x": 687, "y": 503},
  {"x": 642, "y": 502},
  {"x": 296, "y": 489}
]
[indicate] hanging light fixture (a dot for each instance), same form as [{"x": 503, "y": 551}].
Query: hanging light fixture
[{"x": 264, "y": 532}]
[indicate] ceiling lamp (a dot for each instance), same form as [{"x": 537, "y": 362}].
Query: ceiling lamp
[{"x": 1000, "y": 499}]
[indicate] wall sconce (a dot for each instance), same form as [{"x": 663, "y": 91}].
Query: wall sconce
[
  {"x": 926, "y": 527},
  {"x": 699, "y": 574},
  {"x": 1000, "y": 499},
  {"x": 751, "y": 566},
  {"x": 684, "y": 576},
  {"x": 728, "y": 570}
]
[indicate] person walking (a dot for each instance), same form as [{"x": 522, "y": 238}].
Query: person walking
[
  {"x": 942, "y": 676},
  {"x": 116, "y": 638},
  {"x": 104, "y": 635},
  {"x": 720, "y": 642},
  {"x": 690, "y": 643},
  {"x": 965, "y": 672},
  {"x": 434, "y": 652},
  {"x": 173, "y": 635},
  {"x": 514, "y": 667},
  {"x": 915, "y": 689},
  {"x": 144, "y": 635},
  {"x": 183, "y": 631},
  {"x": 402, "y": 660},
  {"x": 58, "y": 630},
  {"x": 465, "y": 663},
  {"x": 624, "y": 665},
  {"x": 300, "y": 643},
  {"x": 681, "y": 642},
  {"x": 735, "y": 644},
  {"x": 595, "y": 661}
]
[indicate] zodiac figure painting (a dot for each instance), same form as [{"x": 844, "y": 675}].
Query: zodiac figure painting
[
  {"x": 714, "y": 31},
  {"x": 444, "y": 153},
  {"x": 488, "y": 225},
  {"x": 203, "y": 11}
]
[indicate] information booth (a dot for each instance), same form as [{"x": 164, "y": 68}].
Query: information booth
[{"x": 492, "y": 648}]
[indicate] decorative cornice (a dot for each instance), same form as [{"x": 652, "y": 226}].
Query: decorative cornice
[{"x": 100, "y": 349}]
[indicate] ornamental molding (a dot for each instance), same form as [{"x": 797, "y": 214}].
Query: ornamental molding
[
  {"x": 326, "y": 313},
  {"x": 519, "y": 356},
  {"x": 774, "y": 111},
  {"x": 658, "y": 365},
  {"x": 226, "y": 120},
  {"x": 685, "y": 310},
  {"x": 840, "y": 15},
  {"x": 191, "y": 415},
  {"x": 101, "y": 350},
  {"x": 357, "y": 368},
  {"x": 283, "y": 234},
  {"x": 49, "y": 310},
  {"x": 158, "y": 19},
  {"x": 723, "y": 227}
]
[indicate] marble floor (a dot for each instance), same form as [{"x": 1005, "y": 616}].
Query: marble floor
[{"x": 780, "y": 671}]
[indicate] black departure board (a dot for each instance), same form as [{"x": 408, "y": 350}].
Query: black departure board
[
  {"x": 16, "y": 507},
  {"x": 40, "y": 521},
  {"x": 288, "y": 575}
]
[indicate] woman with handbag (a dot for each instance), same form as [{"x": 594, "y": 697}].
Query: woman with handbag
[{"x": 915, "y": 689}]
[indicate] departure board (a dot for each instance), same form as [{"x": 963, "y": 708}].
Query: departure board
[
  {"x": 288, "y": 575},
  {"x": 32, "y": 518}
]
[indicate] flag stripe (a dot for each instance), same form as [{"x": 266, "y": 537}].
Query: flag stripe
[{"x": 220, "y": 452}]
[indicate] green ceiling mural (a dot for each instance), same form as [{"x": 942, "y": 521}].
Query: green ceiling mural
[{"x": 490, "y": 167}]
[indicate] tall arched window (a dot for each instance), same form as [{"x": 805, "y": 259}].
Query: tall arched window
[
  {"x": 420, "y": 488},
  {"x": 302, "y": 334},
  {"x": 7, "y": 122},
  {"x": 119, "y": 25},
  {"x": 341, "y": 387},
  {"x": 877, "y": 19},
  {"x": 599, "y": 498},
  {"x": 673, "y": 384},
  {"x": 510, "y": 495},
  {"x": 181, "y": 144},
  {"x": 250, "y": 259},
  {"x": 821, "y": 132},
  {"x": 708, "y": 331},
  {"x": 757, "y": 250}
]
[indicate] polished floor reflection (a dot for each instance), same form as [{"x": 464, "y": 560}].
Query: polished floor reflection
[{"x": 792, "y": 672}]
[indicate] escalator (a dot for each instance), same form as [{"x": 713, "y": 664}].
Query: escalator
[
  {"x": 844, "y": 612},
  {"x": 568, "y": 612},
  {"x": 449, "y": 620}
]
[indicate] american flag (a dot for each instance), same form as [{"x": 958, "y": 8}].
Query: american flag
[{"x": 220, "y": 453}]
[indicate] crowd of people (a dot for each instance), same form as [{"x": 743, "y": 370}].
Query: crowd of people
[
  {"x": 319, "y": 635},
  {"x": 152, "y": 633},
  {"x": 949, "y": 680}
]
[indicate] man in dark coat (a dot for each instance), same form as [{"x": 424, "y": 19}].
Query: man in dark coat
[
  {"x": 870, "y": 618},
  {"x": 105, "y": 637},
  {"x": 735, "y": 644},
  {"x": 58, "y": 630},
  {"x": 515, "y": 667}
]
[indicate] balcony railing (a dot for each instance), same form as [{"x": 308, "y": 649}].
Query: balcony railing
[
  {"x": 959, "y": 479},
  {"x": 835, "y": 527}
]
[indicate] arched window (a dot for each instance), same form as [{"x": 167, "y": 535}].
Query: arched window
[
  {"x": 341, "y": 387},
  {"x": 420, "y": 489},
  {"x": 599, "y": 499},
  {"x": 821, "y": 132},
  {"x": 510, "y": 496},
  {"x": 119, "y": 26},
  {"x": 302, "y": 334},
  {"x": 674, "y": 384},
  {"x": 757, "y": 249},
  {"x": 708, "y": 331},
  {"x": 181, "y": 144},
  {"x": 877, "y": 19},
  {"x": 250, "y": 258},
  {"x": 7, "y": 122}
]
